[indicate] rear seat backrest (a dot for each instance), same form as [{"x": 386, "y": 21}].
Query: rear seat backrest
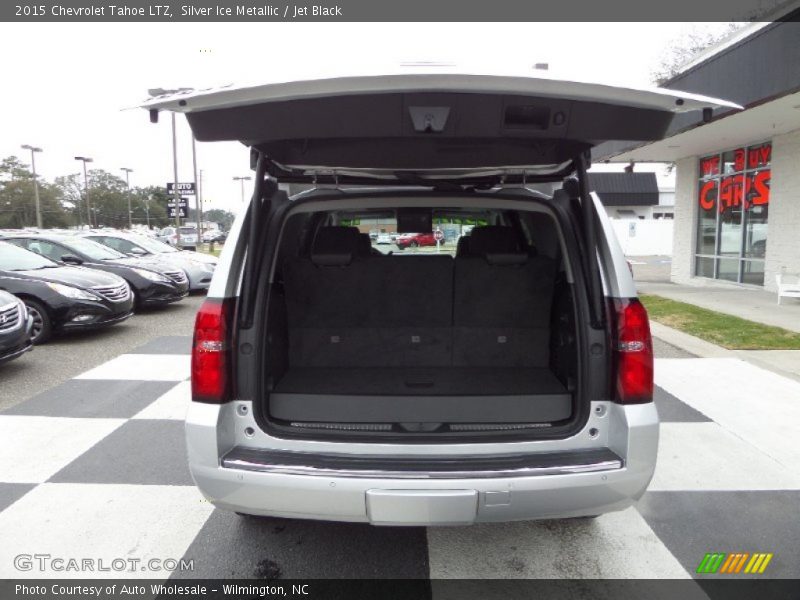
[
  {"x": 351, "y": 310},
  {"x": 414, "y": 308},
  {"x": 325, "y": 304},
  {"x": 323, "y": 289},
  {"x": 346, "y": 308},
  {"x": 502, "y": 302}
]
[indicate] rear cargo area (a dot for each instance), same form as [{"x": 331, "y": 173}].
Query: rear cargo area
[{"x": 422, "y": 342}]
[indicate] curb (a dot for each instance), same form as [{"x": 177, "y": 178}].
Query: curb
[
  {"x": 688, "y": 343},
  {"x": 703, "y": 349}
]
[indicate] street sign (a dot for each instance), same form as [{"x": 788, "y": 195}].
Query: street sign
[
  {"x": 438, "y": 235},
  {"x": 182, "y": 203},
  {"x": 183, "y": 188},
  {"x": 171, "y": 212}
]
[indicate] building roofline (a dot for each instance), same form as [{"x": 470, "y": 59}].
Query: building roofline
[{"x": 735, "y": 38}]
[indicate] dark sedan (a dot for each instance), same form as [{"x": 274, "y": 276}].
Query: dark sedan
[
  {"x": 62, "y": 298},
  {"x": 15, "y": 327},
  {"x": 152, "y": 283}
]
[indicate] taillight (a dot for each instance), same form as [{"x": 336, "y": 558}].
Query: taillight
[
  {"x": 633, "y": 352},
  {"x": 211, "y": 352}
]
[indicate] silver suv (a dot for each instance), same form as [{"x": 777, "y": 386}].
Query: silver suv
[{"x": 505, "y": 377}]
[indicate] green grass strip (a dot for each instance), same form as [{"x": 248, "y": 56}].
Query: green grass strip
[{"x": 718, "y": 328}]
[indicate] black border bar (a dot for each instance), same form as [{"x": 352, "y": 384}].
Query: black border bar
[
  {"x": 408, "y": 11},
  {"x": 389, "y": 589}
]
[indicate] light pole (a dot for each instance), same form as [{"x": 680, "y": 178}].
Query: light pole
[
  {"x": 147, "y": 209},
  {"x": 242, "y": 180},
  {"x": 200, "y": 196},
  {"x": 176, "y": 194},
  {"x": 197, "y": 206},
  {"x": 84, "y": 160},
  {"x": 128, "y": 184},
  {"x": 34, "y": 150}
]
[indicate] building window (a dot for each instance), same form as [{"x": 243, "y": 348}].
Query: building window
[{"x": 733, "y": 199}]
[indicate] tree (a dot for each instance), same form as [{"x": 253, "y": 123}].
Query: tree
[
  {"x": 686, "y": 46},
  {"x": 222, "y": 217},
  {"x": 71, "y": 190},
  {"x": 17, "y": 198},
  {"x": 155, "y": 200},
  {"x": 108, "y": 199}
]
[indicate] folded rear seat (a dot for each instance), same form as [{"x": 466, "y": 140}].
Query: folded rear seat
[
  {"x": 490, "y": 308},
  {"x": 414, "y": 309},
  {"x": 372, "y": 338},
  {"x": 503, "y": 296},
  {"x": 347, "y": 308},
  {"x": 326, "y": 309}
]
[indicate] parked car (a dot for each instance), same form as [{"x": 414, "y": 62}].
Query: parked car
[
  {"x": 60, "y": 297},
  {"x": 199, "y": 267},
  {"x": 415, "y": 240},
  {"x": 382, "y": 239},
  {"x": 188, "y": 237},
  {"x": 512, "y": 382},
  {"x": 152, "y": 283},
  {"x": 15, "y": 327},
  {"x": 214, "y": 235},
  {"x": 166, "y": 234}
]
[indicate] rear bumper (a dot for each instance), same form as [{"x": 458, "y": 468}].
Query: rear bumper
[
  {"x": 384, "y": 501},
  {"x": 383, "y": 498}
]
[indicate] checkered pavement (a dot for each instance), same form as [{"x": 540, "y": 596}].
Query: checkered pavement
[{"x": 96, "y": 468}]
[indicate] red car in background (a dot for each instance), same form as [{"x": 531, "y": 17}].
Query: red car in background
[{"x": 415, "y": 240}]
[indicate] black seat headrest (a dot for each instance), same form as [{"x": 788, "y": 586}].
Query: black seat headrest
[
  {"x": 493, "y": 239},
  {"x": 364, "y": 244},
  {"x": 462, "y": 247},
  {"x": 545, "y": 234},
  {"x": 335, "y": 246}
]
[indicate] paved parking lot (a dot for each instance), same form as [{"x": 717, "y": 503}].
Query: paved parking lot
[
  {"x": 70, "y": 355},
  {"x": 651, "y": 268},
  {"x": 92, "y": 464}
]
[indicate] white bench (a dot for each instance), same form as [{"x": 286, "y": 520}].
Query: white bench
[{"x": 788, "y": 285}]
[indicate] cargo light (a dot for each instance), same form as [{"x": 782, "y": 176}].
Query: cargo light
[
  {"x": 211, "y": 362},
  {"x": 632, "y": 352}
]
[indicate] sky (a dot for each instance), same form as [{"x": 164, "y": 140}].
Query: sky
[{"x": 73, "y": 89}]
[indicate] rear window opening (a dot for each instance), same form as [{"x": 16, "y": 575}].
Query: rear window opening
[{"x": 466, "y": 330}]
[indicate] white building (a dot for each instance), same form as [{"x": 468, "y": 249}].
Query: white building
[{"x": 737, "y": 189}]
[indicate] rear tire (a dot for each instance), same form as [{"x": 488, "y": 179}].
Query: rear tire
[
  {"x": 42, "y": 325},
  {"x": 414, "y": 244}
]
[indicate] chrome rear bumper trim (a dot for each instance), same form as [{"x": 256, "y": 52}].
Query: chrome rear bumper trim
[{"x": 470, "y": 467}]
